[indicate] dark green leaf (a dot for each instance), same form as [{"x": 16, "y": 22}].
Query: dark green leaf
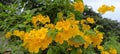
[
  {"x": 78, "y": 39},
  {"x": 50, "y": 51}
]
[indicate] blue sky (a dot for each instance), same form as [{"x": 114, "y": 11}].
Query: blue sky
[{"x": 97, "y": 3}]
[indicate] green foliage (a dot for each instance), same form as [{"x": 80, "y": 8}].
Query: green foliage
[
  {"x": 52, "y": 33},
  {"x": 112, "y": 42},
  {"x": 78, "y": 39}
]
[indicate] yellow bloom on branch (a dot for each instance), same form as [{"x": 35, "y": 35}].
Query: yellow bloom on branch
[
  {"x": 82, "y": 21},
  {"x": 79, "y": 6},
  {"x": 105, "y": 52},
  {"x": 112, "y": 8},
  {"x": 8, "y": 34},
  {"x": 113, "y": 51},
  {"x": 85, "y": 27},
  {"x": 90, "y": 20},
  {"x": 104, "y": 8},
  {"x": 101, "y": 48},
  {"x": 35, "y": 39},
  {"x": 40, "y": 18},
  {"x": 63, "y": 25}
]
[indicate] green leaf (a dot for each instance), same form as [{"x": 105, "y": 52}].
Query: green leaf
[
  {"x": 50, "y": 51},
  {"x": 74, "y": 51},
  {"x": 89, "y": 50},
  {"x": 78, "y": 0},
  {"x": 78, "y": 39},
  {"x": 91, "y": 32},
  {"x": 21, "y": 25},
  {"x": 52, "y": 33},
  {"x": 98, "y": 27},
  {"x": 27, "y": 12}
]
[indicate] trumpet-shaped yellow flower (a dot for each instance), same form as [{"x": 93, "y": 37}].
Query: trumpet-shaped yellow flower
[
  {"x": 104, "y": 8},
  {"x": 63, "y": 25},
  {"x": 40, "y": 18},
  {"x": 88, "y": 41},
  {"x": 105, "y": 52},
  {"x": 90, "y": 20},
  {"x": 101, "y": 48},
  {"x": 112, "y": 8},
  {"x": 82, "y": 21},
  {"x": 49, "y": 26},
  {"x": 8, "y": 34},
  {"x": 79, "y": 6},
  {"x": 97, "y": 39},
  {"x": 79, "y": 51},
  {"x": 85, "y": 27},
  {"x": 19, "y": 33},
  {"x": 113, "y": 51}
]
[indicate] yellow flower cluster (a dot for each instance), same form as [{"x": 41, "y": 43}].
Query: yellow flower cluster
[
  {"x": 33, "y": 40},
  {"x": 79, "y": 6},
  {"x": 40, "y": 18},
  {"x": 36, "y": 39},
  {"x": 104, "y": 8},
  {"x": 89, "y": 38},
  {"x": 68, "y": 28},
  {"x": 90, "y": 20},
  {"x": 110, "y": 51},
  {"x": 19, "y": 34}
]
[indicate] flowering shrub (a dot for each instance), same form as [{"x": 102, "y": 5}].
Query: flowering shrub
[{"x": 68, "y": 33}]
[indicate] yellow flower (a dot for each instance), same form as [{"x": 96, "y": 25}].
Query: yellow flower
[
  {"x": 97, "y": 39},
  {"x": 82, "y": 21},
  {"x": 90, "y": 20},
  {"x": 85, "y": 27},
  {"x": 79, "y": 51},
  {"x": 104, "y": 52},
  {"x": 45, "y": 43},
  {"x": 88, "y": 41},
  {"x": 65, "y": 35},
  {"x": 104, "y": 8},
  {"x": 86, "y": 45},
  {"x": 49, "y": 25},
  {"x": 79, "y": 6},
  {"x": 40, "y": 18},
  {"x": 8, "y": 34},
  {"x": 44, "y": 20},
  {"x": 34, "y": 20},
  {"x": 113, "y": 51},
  {"x": 69, "y": 49},
  {"x": 19, "y": 34},
  {"x": 100, "y": 48},
  {"x": 42, "y": 32},
  {"x": 35, "y": 39},
  {"x": 63, "y": 25},
  {"x": 112, "y": 8},
  {"x": 59, "y": 38}
]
